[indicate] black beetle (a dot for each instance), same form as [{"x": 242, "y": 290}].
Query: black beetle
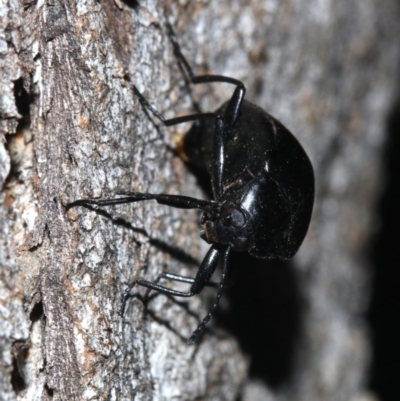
[{"x": 262, "y": 183}]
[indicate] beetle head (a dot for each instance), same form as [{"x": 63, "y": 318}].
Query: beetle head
[{"x": 232, "y": 226}]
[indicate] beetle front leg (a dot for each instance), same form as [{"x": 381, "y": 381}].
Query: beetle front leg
[{"x": 177, "y": 201}]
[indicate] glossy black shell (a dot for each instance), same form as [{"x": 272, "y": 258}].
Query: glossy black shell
[{"x": 261, "y": 154}]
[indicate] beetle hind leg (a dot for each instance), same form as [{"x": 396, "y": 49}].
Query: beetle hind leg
[
  {"x": 152, "y": 286},
  {"x": 211, "y": 311},
  {"x": 203, "y": 276}
]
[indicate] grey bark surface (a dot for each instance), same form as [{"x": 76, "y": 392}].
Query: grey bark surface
[{"x": 71, "y": 129}]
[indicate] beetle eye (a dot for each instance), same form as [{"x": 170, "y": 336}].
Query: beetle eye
[{"x": 234, "y": 216}]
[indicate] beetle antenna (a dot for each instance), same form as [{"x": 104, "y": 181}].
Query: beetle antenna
[{"x": 201, "y": 326}]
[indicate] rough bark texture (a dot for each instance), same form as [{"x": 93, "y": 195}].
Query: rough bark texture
[{"x": 71, "y": 128}]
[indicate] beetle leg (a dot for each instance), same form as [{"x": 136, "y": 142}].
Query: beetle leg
[
  {"x": 203, "y": 276},
  {"x": 232, "y": 110},
  {"x": 182, "y": 279},
  {"x": 185, "y": 279},
  {"x": 218, "y": 159},
  {"x": 230, "y": 116},
  {"x": 171, "y": 121},
  {"x": 206, "y": 269},
  {"x": 177, "y": 51},
  {"x": 201, "y": 326},
  {"x": 223, "y": 127},
  {"x": 200, "y": 79},
  {"x": 151, "y": 286},
  {"x": 177, "y": 201}
]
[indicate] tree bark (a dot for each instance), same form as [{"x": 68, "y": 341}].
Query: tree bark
[{"x": 73, "y": 129}]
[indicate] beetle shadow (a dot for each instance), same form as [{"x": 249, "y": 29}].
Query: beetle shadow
[
  {"x": 184, "y": 305},
  {"x": 264, "y": 314},
  {"x": 175, "y": 252},
  {"x": 148, "y": 312}
]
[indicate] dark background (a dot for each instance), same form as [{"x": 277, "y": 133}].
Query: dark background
[{"x": 384, "y": 314}]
